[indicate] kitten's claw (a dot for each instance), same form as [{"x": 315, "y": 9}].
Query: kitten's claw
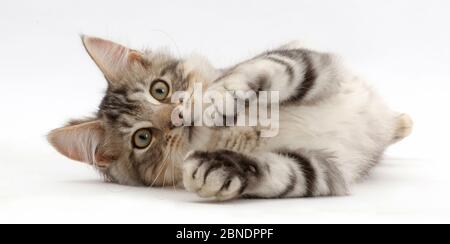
[{"x": 216, "y": 175}]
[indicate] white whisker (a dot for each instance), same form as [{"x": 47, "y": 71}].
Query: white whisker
[{"x": 162, "y": 169}]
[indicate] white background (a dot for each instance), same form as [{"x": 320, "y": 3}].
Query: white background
[{"x": 401, "y": 46}]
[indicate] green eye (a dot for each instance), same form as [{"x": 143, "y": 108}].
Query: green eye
[
  {"x": 159, "y": 89},
  {"x": 142, "y": 138}
]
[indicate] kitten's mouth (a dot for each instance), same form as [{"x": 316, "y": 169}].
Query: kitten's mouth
[{"x": 190, "y": 132}]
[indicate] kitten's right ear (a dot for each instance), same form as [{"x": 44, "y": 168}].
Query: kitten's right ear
[
  {"x": 113, "y": 59},
  {"x": 81, "y": 141}
]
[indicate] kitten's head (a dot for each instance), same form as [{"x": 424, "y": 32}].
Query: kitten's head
[{"x": 132, "y": 139}]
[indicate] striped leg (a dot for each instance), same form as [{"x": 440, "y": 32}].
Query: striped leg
[
  {"x": 226, "y": 175},
  {"x": 299, "y": 75}
]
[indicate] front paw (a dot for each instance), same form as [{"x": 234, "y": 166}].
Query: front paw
[
  {"x": 222, "y": 175},
  {"x": 230, "y": 94}
]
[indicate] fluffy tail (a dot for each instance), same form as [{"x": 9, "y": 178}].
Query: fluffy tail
[{"x": 403, "y": 128}]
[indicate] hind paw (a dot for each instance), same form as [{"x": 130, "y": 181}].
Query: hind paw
[{"x": 404, "y": 127}]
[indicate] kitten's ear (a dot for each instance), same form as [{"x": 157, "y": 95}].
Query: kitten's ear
[
  {"x": 113, "y": 59},
  {"x": 81, "y": 141}
]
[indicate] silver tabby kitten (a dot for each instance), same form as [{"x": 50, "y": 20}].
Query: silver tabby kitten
[{"x": 333, "y": 127}]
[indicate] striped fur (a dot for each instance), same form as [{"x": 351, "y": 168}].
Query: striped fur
[{"x": 333, "y": 127}]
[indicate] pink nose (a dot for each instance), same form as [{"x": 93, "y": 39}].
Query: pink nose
[{"x": 177, "y": 117}]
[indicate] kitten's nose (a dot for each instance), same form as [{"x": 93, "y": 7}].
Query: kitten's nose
[{"x": 177, "y": 117}]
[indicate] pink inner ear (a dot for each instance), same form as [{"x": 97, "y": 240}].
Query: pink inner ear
[
  {"x": 79, "y": 142},
  {"x": 135, "y": 56},
  {"x": 112, "y": 58}
]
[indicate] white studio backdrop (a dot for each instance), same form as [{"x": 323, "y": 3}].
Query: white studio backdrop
[{"x": 401, "y": 46}]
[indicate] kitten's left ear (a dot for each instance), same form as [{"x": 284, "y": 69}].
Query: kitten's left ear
[
  {"x": 81, "y": 141},
  {"x": 114, "y": 60}
]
